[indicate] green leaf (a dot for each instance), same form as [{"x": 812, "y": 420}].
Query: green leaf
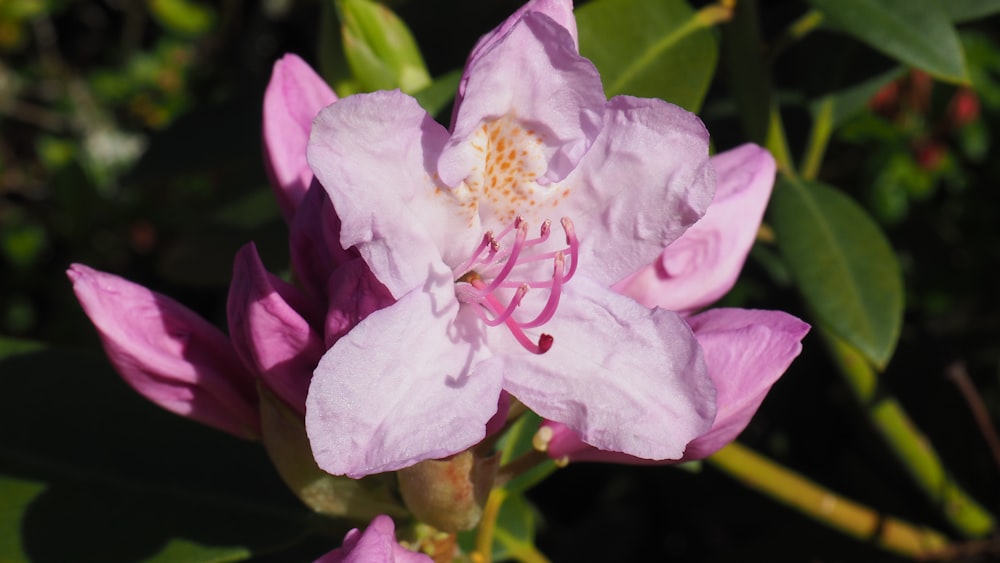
[
  {"x": 849, "y": 101},
  {"x": 514, "y": 536},
  {"x": 917, "y": 32},
  {"x": 965, "y": 10},
  {"x": 435, "y": 97},
  {"x": 17, "y": 495},
  {"x": 842, "y": 264},
  {"x": 84, "y": 459},
  {"x": 649, "y": 48}
]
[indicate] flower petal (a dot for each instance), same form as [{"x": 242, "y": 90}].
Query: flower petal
[
  {"x": 314, "y": 243},
  {"x": 746, "y": 352},
  {"x": 704, "y": 263},
  {"x": 373, "y": 153},
  {"x": 402, "y": 386},
  {"x": 377, "y": 544},
  {"x": 561, "y": 11},
  {"x": 268, "y": 334},
  {"x": 354, "y": 294},
  {"x": 292, "y": 99},
  {"x": 623, "y": 377},
  {"x": 168, "y": 353},
  {"x": 645, "y": 180},
  {"x": 532, "y": 74}
]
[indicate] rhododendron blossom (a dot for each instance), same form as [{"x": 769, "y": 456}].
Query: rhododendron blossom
[
  {"x": 277, "y": 332},
  {"x": 746, "y": 350},
  {"x": 499, "y": 240}
]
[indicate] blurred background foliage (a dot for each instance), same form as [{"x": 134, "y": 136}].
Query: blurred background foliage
[{"x": 130, "y": 141}]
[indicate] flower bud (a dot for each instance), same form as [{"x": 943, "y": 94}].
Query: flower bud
[
  {"x": 380, "y": 49},
  {"x": 449, "y": 494}
]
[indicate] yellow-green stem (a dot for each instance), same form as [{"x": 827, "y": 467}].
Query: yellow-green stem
[
  {"x": 819, "y": 137},
  {"x": 778, "y": 144},
  {"x": 488, "y": 526},
  {"x": 795, "y": 32},
  {"x": 520, "y": 550},
  {"x": 907, "y": 443},
  {"x": 825, "y": 506}
]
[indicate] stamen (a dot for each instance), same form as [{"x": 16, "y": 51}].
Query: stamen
[{"x": 488, "y": 256}]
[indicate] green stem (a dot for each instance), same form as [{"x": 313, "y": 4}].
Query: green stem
[
  {"x": 488, "y": 526},
  {"x": 825, "y": 506},
  {"x": 520, "y": 550},
  {"x": 778, "y": 144},
  {"x": 527, "y": 461},
  {"x": 819, "y": 137},
  {"x": 795, "y": 32},
  {"x": 907, "y": 443}
]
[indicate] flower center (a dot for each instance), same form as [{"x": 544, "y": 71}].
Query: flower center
[{"x": 500, "y": 274}]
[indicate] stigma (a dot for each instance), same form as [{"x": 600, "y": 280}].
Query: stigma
[{"x": 505, "y": 267}]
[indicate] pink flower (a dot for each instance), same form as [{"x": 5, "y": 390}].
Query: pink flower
[
  {"x": 702, "y": 265},
  {"x": 457, "y": 225},
  {"x": 746, "y": 350},
  {"x": 168, "y": 353},
  {"x": 277, "y": 332},
  {"x": 377, "y": 544},
  {"x": 293, "y": 97}
]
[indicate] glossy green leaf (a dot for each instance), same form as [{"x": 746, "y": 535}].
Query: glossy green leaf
[
  {"x": 648, "y": 48},
  {"x": 917, "y": 32},
  {"x": 965, "y": 10},
  {"x": 842, "y": 264},
  {"x": 115, "y": 479}
]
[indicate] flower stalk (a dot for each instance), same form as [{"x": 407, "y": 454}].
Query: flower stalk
[
  {"x": 825, "y": 506},
  {"x": 910, "y": 447}
]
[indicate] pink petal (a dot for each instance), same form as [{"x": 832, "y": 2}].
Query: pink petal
[
  {"x": 561, "y": 11},
  {"x": 704, "y": 263},
  {"x": 377, "y": 544},
  {"x": 402, "y": 386},
  {"x": 269, "y": 335},
  {"x": 533, "y": 74},
  {"x": 292, "y": 99},
  {"x": 645, "y": 180},
  {"x": 314, "y": 243},
  {"x": 168, "y": 353},
  {"x": 354, "y": 294},
  {"x": 746, "y": 351},
  {"x": 374, "y": 154},
  {"x": 624, "y": 377}
]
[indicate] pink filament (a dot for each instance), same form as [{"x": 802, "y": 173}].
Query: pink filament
[{"x": 491, "y": 308}]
